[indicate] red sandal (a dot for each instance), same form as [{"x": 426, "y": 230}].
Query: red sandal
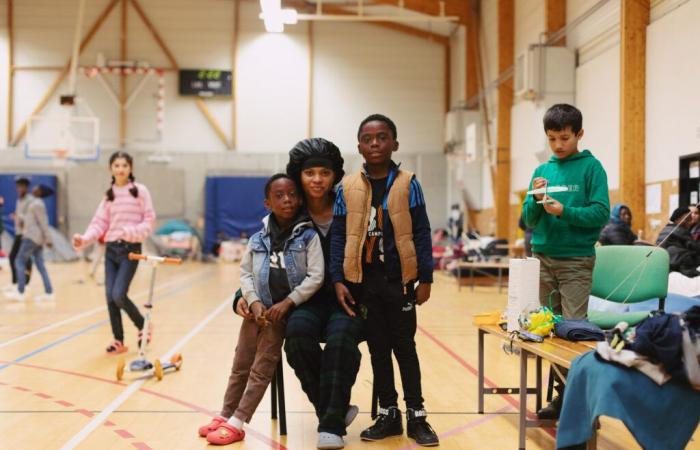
[
  {"x": 211, "y": 426},
  {"x": 225, "y": 434},
  {"x": 116, "y": 348}
]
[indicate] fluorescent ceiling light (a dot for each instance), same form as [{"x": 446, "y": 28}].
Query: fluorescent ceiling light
[{"x": 274, "y": 17}]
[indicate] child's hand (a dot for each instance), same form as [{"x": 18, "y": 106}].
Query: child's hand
[
  {"x": 539, "y": 183},
  {"x": 77, "y": 241},
  {"x": 280, "y": 310},
  {"x": 258, "y": 310},
  {"x": 243, "y": 310},
  {"x": 553, "y": 207},
  {"x": 344, "y": 298},
  {"x": 422, "y": 293}
]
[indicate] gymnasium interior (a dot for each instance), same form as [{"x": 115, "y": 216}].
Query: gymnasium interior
[{"x": 210, "y": 96}]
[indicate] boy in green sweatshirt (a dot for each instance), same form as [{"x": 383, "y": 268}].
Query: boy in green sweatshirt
[{"x": 566, "y": 224}]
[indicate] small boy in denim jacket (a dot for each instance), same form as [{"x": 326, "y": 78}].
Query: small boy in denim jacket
[{"x": 282, "y": 267}]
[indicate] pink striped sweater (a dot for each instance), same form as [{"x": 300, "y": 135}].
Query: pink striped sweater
[{"x": 126, "y": 218}]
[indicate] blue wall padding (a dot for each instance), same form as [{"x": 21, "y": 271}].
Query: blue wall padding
[
  {"x": 7, "y": 190},
  {"x": 232, "y": 205}
]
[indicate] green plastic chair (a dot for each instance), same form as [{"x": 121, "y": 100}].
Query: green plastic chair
[{"x": 628, "y": 274}]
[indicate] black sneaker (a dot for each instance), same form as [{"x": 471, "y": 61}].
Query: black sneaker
[
  {"x": 388, "y": 424},
  {"x": 551, "y": 411},
  {"x": 419, "y": 429}
]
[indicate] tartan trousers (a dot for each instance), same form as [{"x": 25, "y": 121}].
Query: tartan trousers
[{"x": 326, "y": 374}]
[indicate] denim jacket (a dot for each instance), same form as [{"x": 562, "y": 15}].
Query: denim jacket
[{"x": 303, "y": 260}]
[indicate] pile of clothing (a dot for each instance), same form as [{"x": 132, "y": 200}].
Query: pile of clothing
[{"x": 664, "y": 347}]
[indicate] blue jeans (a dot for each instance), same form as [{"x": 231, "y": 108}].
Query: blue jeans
[
  {"x": 27, "y": 250},
  {"x": 119, "y": 271}
]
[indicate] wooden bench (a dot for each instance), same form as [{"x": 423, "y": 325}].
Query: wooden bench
[{"x": 556, "y": 351}]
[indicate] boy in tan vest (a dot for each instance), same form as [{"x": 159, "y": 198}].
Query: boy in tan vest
[{"x": 380, "y": 247}]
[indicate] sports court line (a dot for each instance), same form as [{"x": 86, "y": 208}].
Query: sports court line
[
  {"x": 91, "y": 312},
  {"x": 475, "y": 372},
  {"x": 169, "y": 290},
  {"x": 200, "y": 409},
  {"x": 462, "y": 428},
  {"x": 96, "y": 421},
  {"x": 121, "y": 432},
  {"x": 53, "y": 344}
]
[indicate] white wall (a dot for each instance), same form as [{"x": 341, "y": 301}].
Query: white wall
[
  {"x": 362, "y": 69},
  {"x": 529, "y": 24},
  {"x": 598, "y": 98},
  {"x": 673, "y": 90}
]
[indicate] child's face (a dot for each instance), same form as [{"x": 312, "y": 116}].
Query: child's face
[
  {"x": 317, "y": 181},
  {"x": 21, "y": 189},
  {"x": 626, "y": 215},
  {"x": 377, "y": 143},
  {"x": 283, "y": 200},
  {"x": 120, "y": 169},
  {"x": 564, "y": 143}
]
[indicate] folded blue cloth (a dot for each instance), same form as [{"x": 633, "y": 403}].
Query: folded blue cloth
[{"x": 578, "y": 330}]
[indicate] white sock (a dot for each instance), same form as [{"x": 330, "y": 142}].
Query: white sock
[{"x": 235, "y": 422}]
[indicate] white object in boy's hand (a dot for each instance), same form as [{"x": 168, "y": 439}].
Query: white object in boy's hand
[{"x": 548, "y": 190}]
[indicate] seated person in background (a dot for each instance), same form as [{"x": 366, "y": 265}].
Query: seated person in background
[
  {"x": 683, "y": 251},
  {"x": 695, "y": 223},
  {"x": 618, "y": 231}
]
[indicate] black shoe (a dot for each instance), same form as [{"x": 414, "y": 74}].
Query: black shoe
[
  {"x": 388, "y": 424},
  {"x": 419, "y": 429},
  {"x": 551, "y": 411}
]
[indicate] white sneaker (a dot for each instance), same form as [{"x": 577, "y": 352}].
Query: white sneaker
[
  {"x": 45, "y": 298},
  {"x": 15, "y": 295},
  {"x": 329, "y": 441}
]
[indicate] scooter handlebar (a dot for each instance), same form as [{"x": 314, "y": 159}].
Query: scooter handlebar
[{"x": 160, "y": 259}]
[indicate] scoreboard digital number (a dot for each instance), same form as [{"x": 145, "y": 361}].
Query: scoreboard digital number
[{"x": 205, "y": 83}]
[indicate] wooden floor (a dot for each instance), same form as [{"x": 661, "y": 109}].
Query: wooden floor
[{"x": 58, "y": 388}]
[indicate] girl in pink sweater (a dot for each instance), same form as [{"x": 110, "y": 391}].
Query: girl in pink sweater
[{"x": 125, "y": 218}]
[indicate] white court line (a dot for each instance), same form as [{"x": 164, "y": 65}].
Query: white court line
[
  {"x": 143, "y": 293},
  {"x": 136, "y": 385}
]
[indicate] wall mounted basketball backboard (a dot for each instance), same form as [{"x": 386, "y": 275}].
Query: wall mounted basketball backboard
[{"x": 63, "y": 138}]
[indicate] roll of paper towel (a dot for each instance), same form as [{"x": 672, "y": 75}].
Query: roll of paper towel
[{"x": 523, "y": 289}]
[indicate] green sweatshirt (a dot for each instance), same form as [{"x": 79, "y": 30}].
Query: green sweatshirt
[{"x": 586, "y": 207}]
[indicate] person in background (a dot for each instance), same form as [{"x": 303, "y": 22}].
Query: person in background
[
  {"x": 22, "y": 187},
  {"x": 455, "y": 222},
  {"x": 695, "y": 223},
  {"x": 683, "y": 251},
  {"x": 35, "y": 235},
  {"x": 125, "y": 219},
  {"x": 618, "y": 231}
]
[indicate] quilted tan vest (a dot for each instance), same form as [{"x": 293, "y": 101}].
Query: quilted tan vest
[{"x": 358, "y": 200}]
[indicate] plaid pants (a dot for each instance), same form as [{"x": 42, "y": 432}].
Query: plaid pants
[{"x": 326, "y": 375}]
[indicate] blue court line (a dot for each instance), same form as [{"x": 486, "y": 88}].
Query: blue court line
[
  {"x": 88, "y": 328},
  {"x": 54, "y": 343}
]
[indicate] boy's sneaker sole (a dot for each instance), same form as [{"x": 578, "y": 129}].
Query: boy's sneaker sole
[{"x": 375, "y": 439}]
